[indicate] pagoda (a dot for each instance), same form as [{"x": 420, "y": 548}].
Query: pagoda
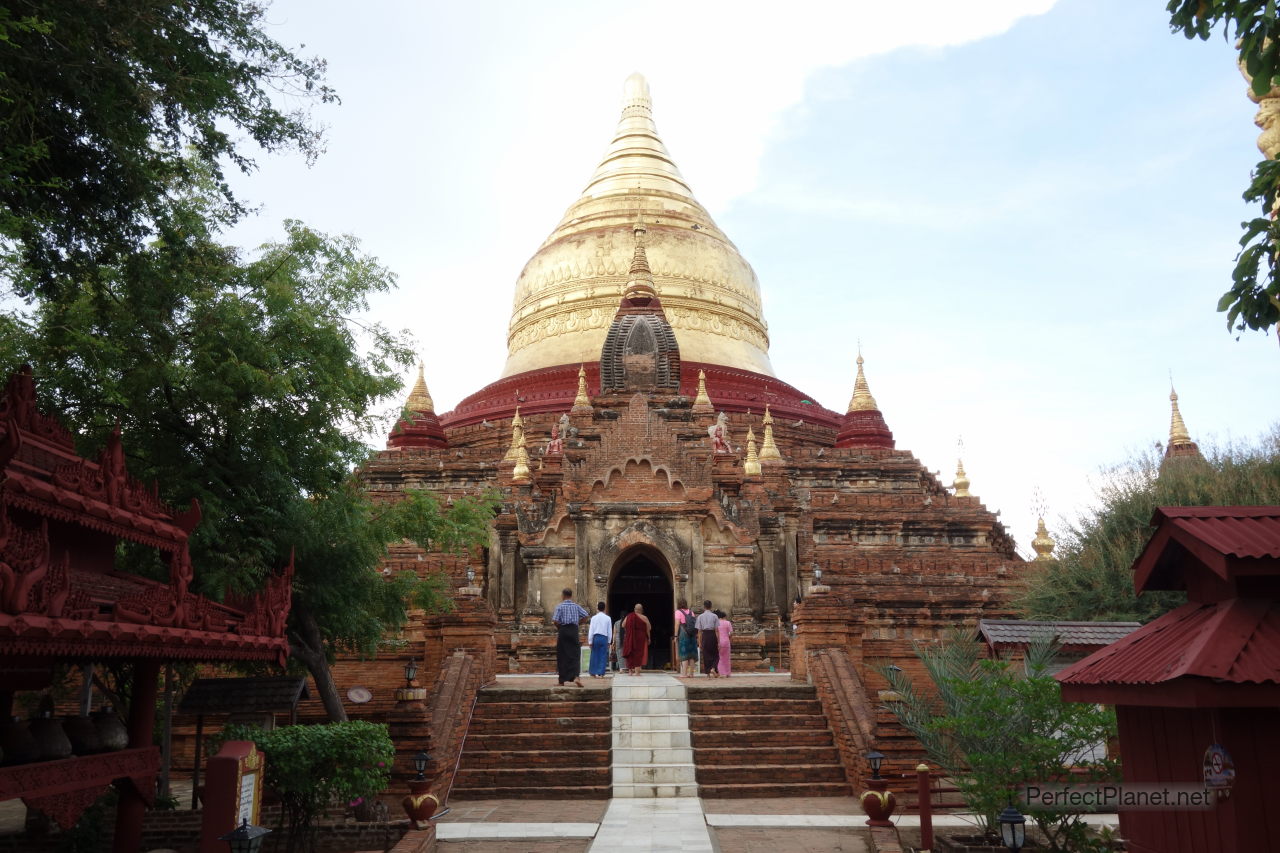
[{"x": 622, "y": 438}]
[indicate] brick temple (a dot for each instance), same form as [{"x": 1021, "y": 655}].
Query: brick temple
[{"x": 645, "y": 451}]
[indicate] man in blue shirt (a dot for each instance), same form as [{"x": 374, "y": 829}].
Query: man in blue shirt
[{"x": 568, "y": 659}]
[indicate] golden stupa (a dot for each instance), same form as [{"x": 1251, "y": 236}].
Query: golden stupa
[{"x": 568, "y": 292}]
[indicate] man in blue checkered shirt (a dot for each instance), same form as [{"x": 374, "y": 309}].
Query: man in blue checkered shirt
[{"x": 568, "y": 658}]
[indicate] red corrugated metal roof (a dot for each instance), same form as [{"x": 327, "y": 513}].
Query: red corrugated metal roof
[
  {"x": 1238, "y": 531},
  {"x": 1236, "y": 641}
]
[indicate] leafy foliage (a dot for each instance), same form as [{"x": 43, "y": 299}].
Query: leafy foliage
[
  {"x": 1092, "y": 580},
  {"x": 992, "y": 728},
  {"x": 105, "y": 110},
  {"x": 1253, "y": 302},
  {"x": 311, "y": 767}
]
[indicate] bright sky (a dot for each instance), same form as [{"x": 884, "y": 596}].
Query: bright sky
[{"x": 1025, "y": 210}]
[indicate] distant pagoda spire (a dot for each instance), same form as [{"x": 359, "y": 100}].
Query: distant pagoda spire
[
  {"x": 862, "y": 401},
  {"x": 582, "y": 402},
  {"x": 863, "y": 425},
  {"x": 961, "y": 484},
  {"x": 1042, "y": 544},
  {"x": 751, "y": 465},
  {"x": 769, "y": 451},
  {"x": 1180, "y": 443},
  {"x": 702, "y": 403},
  {"x": 419, "y": 397}
]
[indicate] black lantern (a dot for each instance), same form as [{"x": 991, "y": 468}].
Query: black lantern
[
  {"x": 420, "y": 764},
  {"x": 245, "y": 838},
  {"x": 471, "y": 574},
  {"x": 817, "y": 575},
  {"x": 1013, "y": 828},
  {"x": 410, "y": 672},
  {"x": 875, "y": 758}
]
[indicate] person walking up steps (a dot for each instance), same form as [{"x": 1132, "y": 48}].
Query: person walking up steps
[
  {"x": 568, "y": 657},
  {"x": 599, "y": 635},
  {"x": 635, "y": 645},
  {"x": 686, "y": 639},
  {"x": 723, "y": 629},
  {"x": 708, "y": 639}
]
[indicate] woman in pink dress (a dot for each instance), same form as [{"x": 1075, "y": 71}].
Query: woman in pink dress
[{"x": 724, "y": 628}]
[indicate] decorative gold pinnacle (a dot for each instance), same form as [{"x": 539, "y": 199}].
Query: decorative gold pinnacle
[
  {"x": 702, "y": 403},
  {"x": 769, "y": 451},
  {"x": 582, "y": 402},
  {"x": 517, "y": 442},
  {"x": 961, "y": 484},
  {"x": 520, "y": 473},
  {"x": 751, "y": 465},
  {"x": 1042, "y": 544},
  {"x": 1178, "y": 435},
  {"x": 862, "y": 401},
  {"x": 420, "y": 398}
]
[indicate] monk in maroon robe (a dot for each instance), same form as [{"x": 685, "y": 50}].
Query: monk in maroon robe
[{"x": 635, "y": 642}]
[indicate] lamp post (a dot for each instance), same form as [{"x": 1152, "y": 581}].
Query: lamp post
[
  {"x": 245, "y": 838},
  {"x": 410, "y": 672},
  {"x": 878, "y": 803},
  {"x": 1013, "y": 828},
  {"x": 420, "y": 805}
]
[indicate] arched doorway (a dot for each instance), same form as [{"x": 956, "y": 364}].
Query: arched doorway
[{"x": 642, "y": 576}]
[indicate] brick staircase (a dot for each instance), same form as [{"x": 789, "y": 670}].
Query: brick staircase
[
  {"x": 755, "y": 741},
  {"x": 537, "y": 743},
  {"x": 902, "y": 753}
]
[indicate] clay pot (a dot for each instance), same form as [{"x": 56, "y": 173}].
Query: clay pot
[
  {"x": 16, "y": 743},
  {"x": 112, "y": 734},
  {"x": 83, "y": 735},
  {"x": 50, "y": 739}
]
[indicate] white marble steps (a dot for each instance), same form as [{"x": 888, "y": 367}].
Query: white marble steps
[
  {"x": 652, "y": 753},
  {"x": 661, "y": 825}
]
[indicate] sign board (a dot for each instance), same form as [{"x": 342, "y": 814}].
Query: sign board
[
  {"x": 232, "y": 792},
  {"x": 1219, "y": 769}
]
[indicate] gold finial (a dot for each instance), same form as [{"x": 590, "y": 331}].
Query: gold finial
[
  {"x": 769, "y": 450},
  {"x": 517, "y": 442},
  {"x": 961, "y": 484},
  {"x": 1042, "y": 544},
  {"x": 1178, "y": 434},
  {"x": 521, "y": 471},
  {"x": 751, "y": 466},
  {"x": 420, "y": 398},
  {"x": 582, "y": 401},
  {"x": 862, "y": 401},
  {"x": 640, "y": 283},
  {"x": 702, "y": 403}
]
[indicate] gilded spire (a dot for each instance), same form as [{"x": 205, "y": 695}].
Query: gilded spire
[
  {"x": 1178, "y": 435},
  {"x": 751, "y": 465},
  {"x": 520, "y": 472},
  {"x": 702, "y": 403},
  {"x": 1042, "y": 544},
  {"x": 640, "y": 283},
  {"x": 582, "y": 402},
  {"x": 961, "y": 484},
  {"x": 769, "y": 451},
  {"x": 420, "y": 398},
  {"x": 862, "y": 401},
  {"x": 517, "y": 442}
]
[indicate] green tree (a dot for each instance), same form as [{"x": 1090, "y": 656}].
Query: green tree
[
  {"x": 1253, "y": 302},
  {"x": 104, "y": 108},
  {"x": 1092, "y": 578},
  {"x": 247, "y": 383},
  {"x": 312, "y": 767},
  {"x": 991, "y": 728}
]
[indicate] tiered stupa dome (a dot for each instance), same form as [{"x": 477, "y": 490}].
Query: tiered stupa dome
[{"x": 568, "y": 291}]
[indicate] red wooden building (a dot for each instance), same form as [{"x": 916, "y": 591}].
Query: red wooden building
[
  {"x": 1205, "y": 674},
  {"x": 63, "y": 601}
]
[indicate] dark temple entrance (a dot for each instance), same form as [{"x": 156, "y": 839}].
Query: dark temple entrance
[{"x": 642, "y": 578}]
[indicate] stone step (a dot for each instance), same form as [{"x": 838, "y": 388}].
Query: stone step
[
  {"x": 522, "y": 792},
  {"x": 625, "y": 692},
  {"x": 498, "y": 695},
  {"x": 756, "y": 707},
  {"x": 653, "y": 774},
  {"x": 563, "y": 724},
  {"x": 740, "y": 722},
  {"x": 648, "y": 707},
  {"x": 651, "y": 722},
  {"x": 730, "y": 755},
  {"x": 488, "y": 741},
  {"x": 648, "y": 791},
  {"x": 735, "y": 738},
  {"x": 469, "y": 777},
  {"x": 651, "y": 739},
  {"x": 708, "y": 689},
  {"x": 776, "y": 789},
  {"x": 729, "y": 774},
  {"x": 533, "y": 759},
  {"x": 520, "y": 710},
  {"x": 635, "y": 756}
]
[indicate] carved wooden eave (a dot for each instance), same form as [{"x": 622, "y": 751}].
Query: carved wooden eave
[{"x": 64, "y": 789}]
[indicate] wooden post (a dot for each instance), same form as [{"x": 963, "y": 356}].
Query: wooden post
[
  {"x": 925, "y": 803},
  {"x": 142, "y": 721},
  {"x": 166, "y": 746},
  {"x": 195, "y": 772}
]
